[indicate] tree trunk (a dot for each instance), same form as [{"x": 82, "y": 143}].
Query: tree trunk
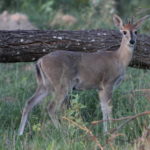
[{"x": 27, "y": 46}]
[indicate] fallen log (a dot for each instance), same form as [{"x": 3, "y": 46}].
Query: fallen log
[{"x": 29, "y": 45}]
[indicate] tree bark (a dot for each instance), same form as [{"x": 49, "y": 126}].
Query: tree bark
[{"x": 27, "y": 46}]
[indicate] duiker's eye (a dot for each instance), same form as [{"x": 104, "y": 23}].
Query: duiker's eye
[
  {"x": 124, "y": 32},
  {"x": 135, "y": 32}
]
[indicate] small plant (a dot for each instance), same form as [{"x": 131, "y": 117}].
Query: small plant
[
  {"x": 74, "y": 112},
  {"x": 47, "y": 7}
]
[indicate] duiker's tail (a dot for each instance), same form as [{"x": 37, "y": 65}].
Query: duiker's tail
[{"x": 40, "y": 74}]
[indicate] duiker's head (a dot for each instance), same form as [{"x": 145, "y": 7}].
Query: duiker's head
[{"x": 129, "y": 29}]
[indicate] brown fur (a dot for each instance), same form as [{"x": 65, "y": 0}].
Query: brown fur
[
  {"x": 129, "y": 27},
  {"x": 61, "y": 71}
]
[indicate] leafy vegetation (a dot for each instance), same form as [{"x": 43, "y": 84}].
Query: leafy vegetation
[{"x": 17, "y": 84}]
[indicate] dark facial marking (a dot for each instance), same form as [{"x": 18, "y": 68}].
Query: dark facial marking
[
  {"x": 131, "y": 34},
  {"x": 132, "y": 41}
]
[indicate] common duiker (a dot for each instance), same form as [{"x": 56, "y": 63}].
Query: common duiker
[{"x": 61, "y": 71}]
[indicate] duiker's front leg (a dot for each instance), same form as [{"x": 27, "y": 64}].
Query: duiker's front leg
[
  {"x": 105, "y": 96},
  {"x": 40, "y": 93}
]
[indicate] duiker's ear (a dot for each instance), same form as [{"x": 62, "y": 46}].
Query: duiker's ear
[
  {"x": 118, "y": 21},
  {"x": 141, "y": 21}
]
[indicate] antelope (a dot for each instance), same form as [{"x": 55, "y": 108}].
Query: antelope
[{"x": 61, "y": 71}]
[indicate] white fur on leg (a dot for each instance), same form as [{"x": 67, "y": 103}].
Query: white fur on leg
[
  {"x": 106, "y": 111},
  {"x": 28, "y": 107},
  {"x": 22, "y": 125},
  {"x": 55, "y": 121}
]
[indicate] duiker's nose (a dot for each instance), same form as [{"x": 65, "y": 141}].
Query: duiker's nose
[{"x": 132, "y": 42}]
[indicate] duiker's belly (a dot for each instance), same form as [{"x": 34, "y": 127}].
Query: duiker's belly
[{"x": 84, "y": 84}]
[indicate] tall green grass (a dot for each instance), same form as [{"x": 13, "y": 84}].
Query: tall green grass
[{"x": 17, "y": 83}]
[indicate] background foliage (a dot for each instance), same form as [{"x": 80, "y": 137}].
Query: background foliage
[{"x": 17, "y": 82}]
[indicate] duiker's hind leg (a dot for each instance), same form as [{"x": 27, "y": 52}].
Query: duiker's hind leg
[
  {"x": 105, "y": 96},
  {"x": 55, "y": 105},
  {"x": 38, "y": 96}
]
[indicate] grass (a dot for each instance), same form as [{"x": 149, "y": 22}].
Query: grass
[{"x": 17, "y": 83}]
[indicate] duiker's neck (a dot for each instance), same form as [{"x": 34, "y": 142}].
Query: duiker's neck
[{"x": 125, "y": 53}]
